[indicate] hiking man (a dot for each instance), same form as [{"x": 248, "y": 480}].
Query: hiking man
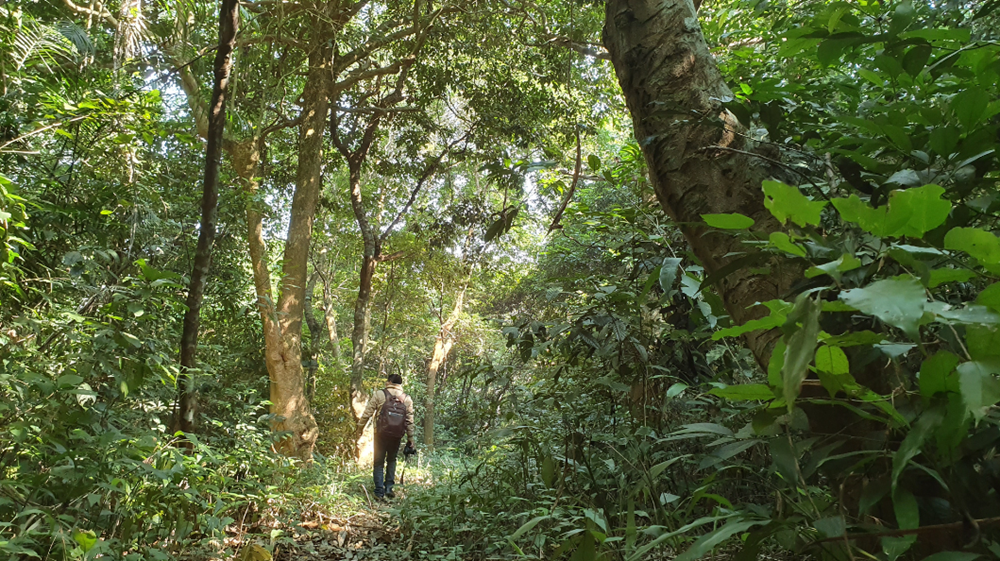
[{"x": 395, "y": 416}]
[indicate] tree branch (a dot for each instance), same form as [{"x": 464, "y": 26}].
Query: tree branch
[{"x": 572, "y": 186}]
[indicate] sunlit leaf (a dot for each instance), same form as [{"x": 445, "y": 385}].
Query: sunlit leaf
[{"x": 898, "y": 302}]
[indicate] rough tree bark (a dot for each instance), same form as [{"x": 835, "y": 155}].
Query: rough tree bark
[
  {"x": 187, "y": 396},
  {"x": 699, "y": 160}
]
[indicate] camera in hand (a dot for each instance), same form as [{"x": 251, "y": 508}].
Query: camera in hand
[{"x": 408, "y": 451}]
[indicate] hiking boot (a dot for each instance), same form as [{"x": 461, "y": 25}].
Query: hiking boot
[{"x": 390, "y": 495}]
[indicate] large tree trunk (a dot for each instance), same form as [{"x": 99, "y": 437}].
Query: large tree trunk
[
  {"x": 442, "y": 347},
  {"x": 187, "y": 398},
  {"x": 289, "y": 403},
  {"x": 698, "y": 157}
]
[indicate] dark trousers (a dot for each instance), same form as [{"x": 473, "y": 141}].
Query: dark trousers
[{"x": 386, "y": 450}]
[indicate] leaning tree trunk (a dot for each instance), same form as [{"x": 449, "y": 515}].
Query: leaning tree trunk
[
  {"x": 698, "y": 156},
  {"x": 442, "y": 347},
  {"x": 187, "y": 396},
  {"x": 315, "y": 336}
]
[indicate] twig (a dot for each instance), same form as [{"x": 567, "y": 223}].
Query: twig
[
  {"x": 911, "y": 531},
  {"x": 572, "y": 186}
]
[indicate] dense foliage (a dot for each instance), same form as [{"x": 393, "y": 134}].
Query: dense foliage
[{"x": 593, "y": 397}]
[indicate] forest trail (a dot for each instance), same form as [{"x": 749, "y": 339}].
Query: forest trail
[{"x": 367, "y": 530}]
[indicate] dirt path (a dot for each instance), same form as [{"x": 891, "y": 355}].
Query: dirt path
[{"x": 371, "y": 533}]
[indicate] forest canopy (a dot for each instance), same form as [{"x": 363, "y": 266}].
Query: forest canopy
[{"x": 664, "y": 279}]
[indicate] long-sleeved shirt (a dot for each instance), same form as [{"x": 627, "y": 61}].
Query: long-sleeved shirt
[{"x": 376, "y": 402}]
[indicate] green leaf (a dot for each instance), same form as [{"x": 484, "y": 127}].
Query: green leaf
[
  {"x": 944, "y": 276},
  {"x": 910, "y": 447},
  {"x": 980, "y": 244},
  {"x": 832, "y": 360},
  {"x": 493, "y": 230},
  {"x": 980, "y": 388},
  {"x": 831, "y": 527},
  {"x": 908, "y": 518},
  {"x": 594, "y": 162},
  {"x": 901, "y": 17},
  {"x": 707, "y": 542},
  {"x": 854, "y": 339},
  {"x": 924, "y": 208},
  {"x": 970, "y": 105},
  {"x": 936, "y": 374},
  {"x": 898, "y": 136},
  {"x": 527, "y": 526},
  {"x": 800, "y": 347},
  {"x": 845, "y": 263},
  {"x": 944, "y": 140},
  {"x": 86, "y": 538},
  {"x": 744, "y": 392},
  {"x": 733, "y": 221},
  {"x": 788, "y": 203},
  {"x": 898, "y": 302},
  {"x": 916, "y": 58},
  {"x": 668, "y": 273},
  {"x": 779, "y": 311},
  {"x": 990, "y": 297},
  {"x": 781, "y": 241},
  {"x": 881, "y": 221}
]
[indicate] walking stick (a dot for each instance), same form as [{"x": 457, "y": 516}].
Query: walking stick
[{"x": 407, "y": 452}]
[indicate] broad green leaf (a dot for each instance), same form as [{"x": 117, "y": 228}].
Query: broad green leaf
[
  {"x": 969, "y": 314},
  {"x": 898, "y": 302},
  {"x": 936, "y": 374},
  {"x": 493, "y": 230},
  {"x": 676, "y": 389},
  {"x": 744, "y": 392},
  {"x": 944, "y": 276},
  {"x": 898, "y": 136},
  {"x": 594, "y": 162},
  {"x": 734, "y": 221},
  {"x": 668, "y": 273},
  {"x": 970, "y": 105},
  {"x": 788, "y": 203},
  {"x": 831, "y": 527},
  {"x": 832, "y": 360},
  {"x": 980, "y": 244},
  {"x": 982, "y": 341},
  {"x": 979, "y": 386},
  {"x": 990, "y": 297},
  {"x": 781, "y": 241},
  {"x": 86, "y": 538},
  {"x": 640, "y": 554},
  {"x": 916, "y": 59},
  {"x": 944, "y": 140},
  {"x": 800, "y": 348},
  {"x": 924, "y": 208},
  {"x": 879, "y": 221}
]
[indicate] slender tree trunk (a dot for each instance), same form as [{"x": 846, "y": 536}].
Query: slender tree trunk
[
  {"x": 330, "y": 315},
  {"x": 187, "y": 399},
  {"x": 674, "y": 92},
  {"x": 315, "y": 336},
  {"x": 442, "y": 347},
  {"x": 369, "y": 260}
]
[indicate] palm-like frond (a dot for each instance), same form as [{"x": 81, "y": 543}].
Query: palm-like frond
[{"x": 48, "y": 45}]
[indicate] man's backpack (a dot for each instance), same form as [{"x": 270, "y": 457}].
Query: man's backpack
[{"x": 392, "y": 419}]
